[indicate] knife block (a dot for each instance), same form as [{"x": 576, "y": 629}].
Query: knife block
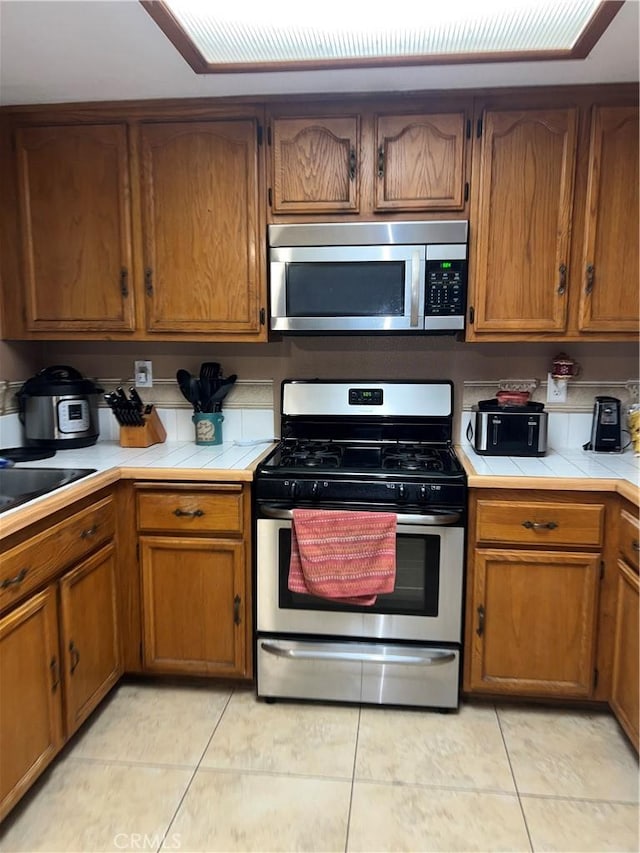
[{"x": 153, "y": 432}]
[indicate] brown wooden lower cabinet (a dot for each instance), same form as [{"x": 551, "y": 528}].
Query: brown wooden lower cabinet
[
  {"x": 193, "y": 598},
  {"x": 535, "y": 574},
  {"x": 59, "y": 642},
  {"x": 535, "y": 623},
  {"x": 624, "y": 691},
  {"x": 89, "y": 635},
  {"x": 194, "y": 554},
  {"x": 30, "y": 692}
]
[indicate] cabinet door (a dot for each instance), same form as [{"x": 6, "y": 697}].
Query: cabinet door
[
  {"x": 89, "y": 635},
  {"x": 30, "y": 704},
  {"x": 524, "y": 194},
  {"x": 534, "y": 622},
  {"x": 420, "y": 162},
  {"x": 203, "y": 247},
  {"x": 193, "y": 605},
  {"x": 609, "y": 295},
  {"x": 73, "y": 191},
  {"x": 316, "y": 164},
  {"x": 624, "y": 691}
]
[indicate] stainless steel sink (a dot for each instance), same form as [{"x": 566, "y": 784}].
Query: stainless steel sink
[{"x": 18, "y": 485}]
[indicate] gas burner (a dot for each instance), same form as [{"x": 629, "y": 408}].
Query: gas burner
[
  {"x": 412, "y": 458},
  {"x": 311, "y": 454}
]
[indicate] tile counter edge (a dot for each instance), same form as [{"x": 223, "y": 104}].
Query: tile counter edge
[
  {"x": 14, "y": 520},
  {"x": 624, "y": 487}
]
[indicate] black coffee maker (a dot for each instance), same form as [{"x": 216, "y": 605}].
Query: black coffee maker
[{"x": 606, "y": 427}]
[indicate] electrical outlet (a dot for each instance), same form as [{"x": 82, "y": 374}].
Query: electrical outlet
[
  {"x": 556, "y": 390},
  {"x": 143, "y": 374}
]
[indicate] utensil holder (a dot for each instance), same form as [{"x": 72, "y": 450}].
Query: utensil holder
[
  {"x": 152, "y": 432},
  {"x": 208, "y": 427}
]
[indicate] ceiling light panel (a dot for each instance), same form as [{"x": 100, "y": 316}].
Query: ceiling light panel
[{"x": 247, "y": 31}]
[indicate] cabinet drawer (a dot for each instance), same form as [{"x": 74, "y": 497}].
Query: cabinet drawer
[
  {"x": 33, "y": 562},
  {"x": 529, "y": 523},
  {"x": 629, "y": 538},
  {"x": 217, "y": 509}
]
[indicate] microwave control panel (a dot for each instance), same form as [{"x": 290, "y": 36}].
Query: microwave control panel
[{"x": 445, "y": 291}]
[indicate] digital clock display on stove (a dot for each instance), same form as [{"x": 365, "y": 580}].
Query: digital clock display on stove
[{"x": 365, "y": 396}]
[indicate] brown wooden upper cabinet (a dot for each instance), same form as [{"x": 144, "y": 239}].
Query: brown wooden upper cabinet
[
  {"x": 609, "y": 292},
  {"x": 75, "y": 228},
  {"x": 200, "y": 224},
  {"x": 524, "y": 199},
  {"x": 367, "y": 162},
  {"x": 554, "y": 222},
  {"x": 139, "y": 228}
]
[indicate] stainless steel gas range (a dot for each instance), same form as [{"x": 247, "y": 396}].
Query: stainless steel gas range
[{"x": 375, "y": 447}]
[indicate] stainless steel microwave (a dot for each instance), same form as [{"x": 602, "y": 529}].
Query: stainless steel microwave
[{"x": 368, "y": 277}]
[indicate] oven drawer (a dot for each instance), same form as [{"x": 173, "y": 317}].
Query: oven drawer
[{"x": 388, "y": 674}]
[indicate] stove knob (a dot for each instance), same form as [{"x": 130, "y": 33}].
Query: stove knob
[
  {"x": 293, "y": 489},
  {"x": 423, "y": 494},
  {"x": 402, "y": 492},
  {"x": 314, "y": 490}
]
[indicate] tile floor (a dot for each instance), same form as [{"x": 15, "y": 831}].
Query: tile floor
[{"x": 201, "y": 768}]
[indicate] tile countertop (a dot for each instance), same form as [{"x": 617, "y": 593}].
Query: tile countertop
[
  {"x": 177, "y": 460},
  {"x": 572, "y": 470}
]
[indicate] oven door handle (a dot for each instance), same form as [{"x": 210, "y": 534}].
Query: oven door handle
[
  {"x": 415, "y": 658},
  {"x": 410, "y": 518}
]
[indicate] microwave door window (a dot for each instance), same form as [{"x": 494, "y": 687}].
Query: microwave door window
[{"x": 346, "y": 289}]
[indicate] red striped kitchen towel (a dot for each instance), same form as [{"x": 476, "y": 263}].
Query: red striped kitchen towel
[{"x": 347, "y": 556}]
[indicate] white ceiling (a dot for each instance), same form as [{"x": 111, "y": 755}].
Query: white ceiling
[{"x": 93, "y": 50}]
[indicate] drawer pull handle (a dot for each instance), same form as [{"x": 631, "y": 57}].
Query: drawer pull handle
[
  {"x": 481, "y": 615},
  {"x": 75, "y": 656},
  {"x": 539, "y": 525},
  {"x": 55, "y": 674},
  {"x": 237, "y": 601},
  {"x": 7, "y": 582},
  {"x": 188, "y": 513},
  {"x": 90, "y": 531},
  {"x": 635, "y": 545}
]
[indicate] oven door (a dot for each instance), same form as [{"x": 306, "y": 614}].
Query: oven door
[
  {"x": 347, "y": 288},
  {"x": 425, "y": 605}
]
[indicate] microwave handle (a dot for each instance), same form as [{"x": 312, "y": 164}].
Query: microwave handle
[{"x": 415, "y": 287}]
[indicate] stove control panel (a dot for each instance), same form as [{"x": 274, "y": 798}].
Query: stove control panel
[{"x": 310, "y": 492}]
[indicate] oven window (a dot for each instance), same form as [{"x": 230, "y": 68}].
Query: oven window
[
  {"x": 346, "y": 289},
  {"x": 417, "y": 580}
]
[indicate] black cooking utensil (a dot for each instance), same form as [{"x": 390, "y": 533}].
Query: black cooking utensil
[
  {"x": 215, "y": 401},
  {"x": 183, "y": 378}
]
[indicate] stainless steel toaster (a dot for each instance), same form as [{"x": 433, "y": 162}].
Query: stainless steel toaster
[{"x": 511, "y": 431}]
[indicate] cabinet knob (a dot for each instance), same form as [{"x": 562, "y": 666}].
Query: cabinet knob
[
  {"x": 148, "y": 281},
  {"x": 590, "y": 273},
  {"x": 381, "y": 161},
  {"x": 124, "y": 281},
  {"x": 75, "y": 656},
  {"x": 562, "y": 282},
  {"x": 237, "y": 601},
  {"x": 55, "y": 674},
  {"x": 481, "y": 615},
  {"x": 352, "y": 163},
  {"x": 90, "y": 531}
]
